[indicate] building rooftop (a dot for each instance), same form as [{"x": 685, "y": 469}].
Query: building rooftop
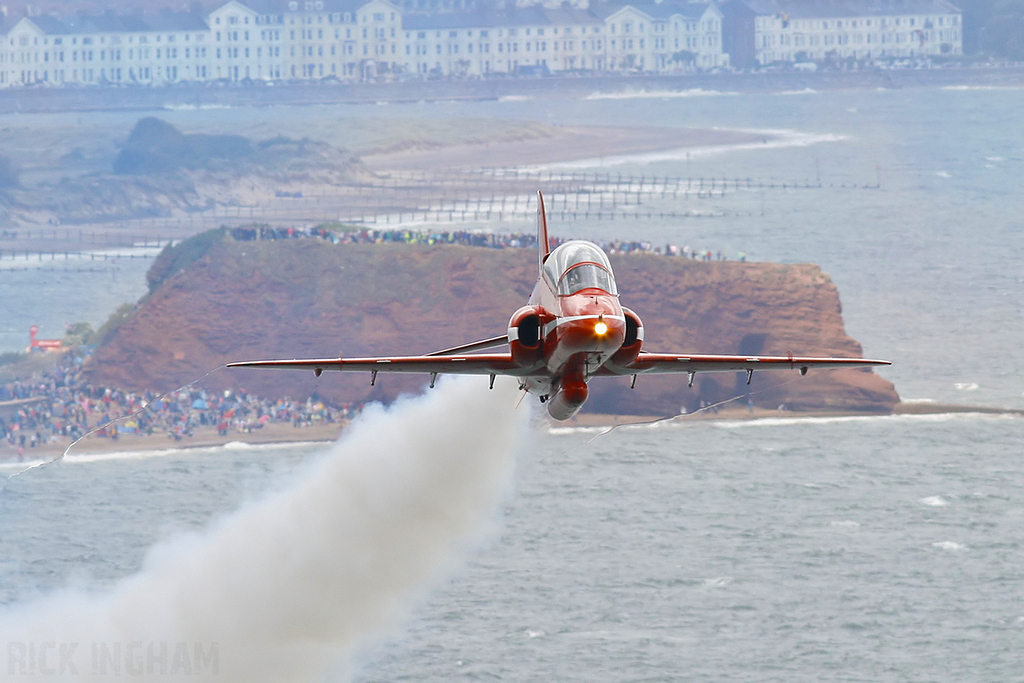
[
  {"x": 821, "y": 9},
  {"x": 119, "y": 23},
  {"x": 523, "y": 16}
]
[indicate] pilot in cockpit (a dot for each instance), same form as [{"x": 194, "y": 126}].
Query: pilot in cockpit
[{"x": 578, "y": 265}]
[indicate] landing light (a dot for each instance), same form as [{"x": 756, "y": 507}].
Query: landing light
[{"x": 601, "y": 328}]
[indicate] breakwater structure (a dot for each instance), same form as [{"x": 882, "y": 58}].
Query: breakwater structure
[{"x": 485, "y": 199}]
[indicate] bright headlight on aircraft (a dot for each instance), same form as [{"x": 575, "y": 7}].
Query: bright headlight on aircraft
[{"x": 601, "y": 328}]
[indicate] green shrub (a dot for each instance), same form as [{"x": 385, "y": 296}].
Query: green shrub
[
  {"x": 113, "y": 324},
  {"x": 174, "y": 259}
]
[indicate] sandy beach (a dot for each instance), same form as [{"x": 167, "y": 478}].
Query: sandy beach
[
  {"x": 280, "y": 433},
  {"x": 567, "y": 144},
  {"x": 202, "y": 438}
]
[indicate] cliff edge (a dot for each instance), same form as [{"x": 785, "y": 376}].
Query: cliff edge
[{"x": 240, "y": 300}]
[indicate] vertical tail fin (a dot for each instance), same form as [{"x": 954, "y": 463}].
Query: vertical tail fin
[{"x": 543, "y": 245}]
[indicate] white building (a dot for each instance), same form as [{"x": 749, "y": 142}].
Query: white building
[
  {"x": 533, "y": 39},
  {"x": 655, "y": 38},
  {"x": 665, "y": 37},
  {"x": 106, "y": 49},
  {"x": 865, "y": 30},
  {"x": 305, "y": 39},
  {"x": 351, "y": 40}
]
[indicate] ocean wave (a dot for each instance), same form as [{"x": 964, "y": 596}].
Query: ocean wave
[
  {"x": 811, "y": 420},
  {"x": 658, "y": 94},
  {"x": 194, "y": 107},
  {"x": 515, "y": 98},
  {"x": 567, "y": 431},
  {"x": 87, "y": 458},
  {"x": 783, "y": 139},
  {"x": 934, "y": 501},
  {"x": 97, "y": 257},
  {"x": 14, "y": 465},
  {"x": 951, "y": 546},
  {"x": 790, "y": 421},
  {"x": 982, "y": 87},
  {"x": 805, "y": 91},
  {"x": 718, "y": 581},
  {"x": 846, "y": 524},
  {"x": 683, "y": 421}
]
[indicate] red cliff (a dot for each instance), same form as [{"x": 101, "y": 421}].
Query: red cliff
[{"x": 308, "y": 297}]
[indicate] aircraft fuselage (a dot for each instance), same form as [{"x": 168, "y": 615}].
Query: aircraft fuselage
[{"x": 582, "y": 331}]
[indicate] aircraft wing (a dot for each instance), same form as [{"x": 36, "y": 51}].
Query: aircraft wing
[
  {"x": 649, "y": 363},
  {"x": 468, "y": 364}
]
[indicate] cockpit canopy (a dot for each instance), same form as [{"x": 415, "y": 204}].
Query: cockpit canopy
[{"x": 577, "y": 265}]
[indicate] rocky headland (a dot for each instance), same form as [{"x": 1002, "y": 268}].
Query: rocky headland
[
  {"x": 215, "y": 299},
  {"x": 160, "y": 171}
]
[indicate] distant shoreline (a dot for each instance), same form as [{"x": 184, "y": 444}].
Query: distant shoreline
[
  {"x": 39, "y": 100},
  {"x": 284, "y": 434}
]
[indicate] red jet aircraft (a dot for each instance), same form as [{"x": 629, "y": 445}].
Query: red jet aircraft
[{"x": 572, "y": 329}]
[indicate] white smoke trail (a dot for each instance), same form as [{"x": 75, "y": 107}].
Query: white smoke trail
[{"x": 281, "y": 589}]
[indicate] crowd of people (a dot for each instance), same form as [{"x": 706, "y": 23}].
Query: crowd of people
[
  {"x": 59, "y": 405},
  {"x": 491, "y": 240}
]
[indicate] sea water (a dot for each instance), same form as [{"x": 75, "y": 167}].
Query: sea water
[
  {"x": 879, "y": 548},
  {"x": 883, "y": 548}
]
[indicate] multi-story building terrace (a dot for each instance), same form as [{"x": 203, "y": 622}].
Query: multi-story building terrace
[
  {"x": 665, "y": 36},
  {"x": 304, "y": 40},
  {"x": 524, "y": 40},
  {"x": 642, "y": 37},
  {"x": 108, "y": 48},
  {"x": 312, "y": 40},
  {"x": 769, "y": 31}
]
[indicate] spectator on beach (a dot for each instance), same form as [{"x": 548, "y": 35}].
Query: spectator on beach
[
  {"x": 68, "y": 408},
  {"x": 462, "y": 237}
]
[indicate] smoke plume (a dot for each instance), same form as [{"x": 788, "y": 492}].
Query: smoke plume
[{"x": 282, "y": 589}]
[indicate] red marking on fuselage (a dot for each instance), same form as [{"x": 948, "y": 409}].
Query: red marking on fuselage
[{"x": 574, "y": 331}]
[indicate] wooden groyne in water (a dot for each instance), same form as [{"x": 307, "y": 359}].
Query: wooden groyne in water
[{"x": 483, "y": 198}]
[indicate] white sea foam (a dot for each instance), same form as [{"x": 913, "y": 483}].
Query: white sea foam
[
  {"x": 780, "y": 139},
  {"x": 934, "y": 501},
  {"x": 981, "y": 87},
  {"x": 943, "y": 174},
  {"x": 718, "y": 581},
  {"x": 283, "y": 589},
  {"x": 658, "y": 94},
  {"x": 565, "y": 431},
  {"x": 194, "y": 107},
  {"x": 681, "y": 422},
  {"x": 966, "y": 386},
  {"x": 794, "y": 421},
  {"x": 92, "y": 257},
  {"x": 183, "y": 450},
  {"x": 951, "y": 546},
  {"x": 846, "y": 524},
  {"x": 237, "y": 446},
  {"x": 15, "y": 466}
]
